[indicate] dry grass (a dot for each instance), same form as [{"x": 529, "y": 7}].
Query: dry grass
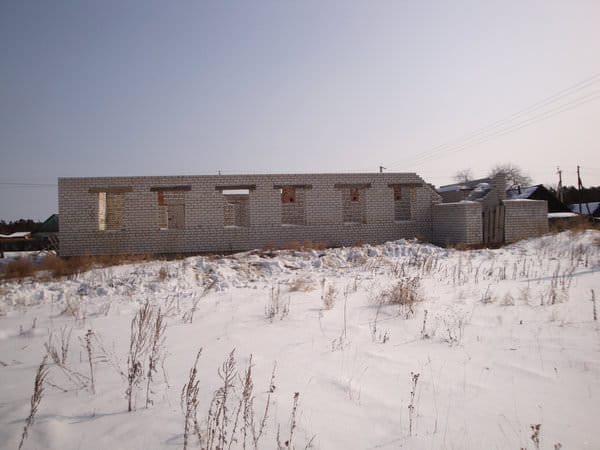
[
  {"x": 301, "y": 284},
  {"x": 36, "y": 398},
  {"x": 19, "y": 268},
  {"x": 163, "y": 274},
  {"x": 405, "y": 293},
  {"x": 59, "y": 267},
  {"x": 575, "y": 224},
  {"x": 306, "y": 245}
]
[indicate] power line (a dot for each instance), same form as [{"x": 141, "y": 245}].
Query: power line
[
  {"x": 17, "y": 184},
  {"x": 498, "y": 123},
  {"x": 512, "y": 128}
]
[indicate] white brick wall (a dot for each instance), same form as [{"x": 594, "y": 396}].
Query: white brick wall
[
  {"x": 524, "y": 219},
  {"x": 204, "y": 229},
  {"x": 457, "y": 223}
]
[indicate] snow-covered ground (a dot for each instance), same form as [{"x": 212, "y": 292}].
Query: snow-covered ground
[{"x": 500, "y": 341}]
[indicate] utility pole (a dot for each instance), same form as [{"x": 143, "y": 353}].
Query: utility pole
[
  {"x": 381, "y": 169},
  {"x": 559, "y": 190},
  {"x": 580, "y": 188}
]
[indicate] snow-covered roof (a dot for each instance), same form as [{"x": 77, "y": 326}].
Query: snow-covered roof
[
  {"x": 561, "y": 215},
  {"x": 18, "y": 234},
  {"x": 521, "y": 193},
  {"x": 467, "y": 185}
]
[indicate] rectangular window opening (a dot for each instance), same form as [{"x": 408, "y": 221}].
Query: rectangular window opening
[
  {"x": 293, "y": 200},
  {"x": 236, "y": 207},
  {"x": 171, "y": 209},
  {"x": 402, "y": 202},
  {"x": 354, "y": 205},
  {"x": 111, "y": 209}
]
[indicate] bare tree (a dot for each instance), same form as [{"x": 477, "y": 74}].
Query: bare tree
[
  {"x": 514, "y": 174},
  {"x": 463, "y": 175}
]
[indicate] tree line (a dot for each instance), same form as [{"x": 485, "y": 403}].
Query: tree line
[
  {"x": 19, "y": 225},
  {"x": 572, "y": 195}
]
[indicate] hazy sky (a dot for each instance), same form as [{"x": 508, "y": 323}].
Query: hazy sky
[{"x": 95, "y": 88}]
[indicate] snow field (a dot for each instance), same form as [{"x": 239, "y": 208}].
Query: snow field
[{"x": 508, "y": 341}]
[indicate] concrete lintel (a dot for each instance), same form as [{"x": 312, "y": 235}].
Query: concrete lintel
[
  {"x": 352, "y": 185},
  {"x": 110, "y": 189},
  {"x": 296, "y": 186},
  {"x": 236, "y": 187},
  {"x": 171, "y": 188}
]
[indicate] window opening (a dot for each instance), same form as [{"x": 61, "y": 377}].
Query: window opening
[
  {"x": 293, "y": 200},
  {"x": 171, "y": 209},
  {"x": 111, "y": 208},
  {"x": 403, "y": 202},
  {"x": 236, "y": 207}
]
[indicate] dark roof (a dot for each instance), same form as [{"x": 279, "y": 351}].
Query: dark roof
[
  {"x": 50, "y": 225},
  {"x": 538, "y": 192}
]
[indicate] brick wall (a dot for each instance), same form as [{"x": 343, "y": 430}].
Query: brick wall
[
  {"x": 524, "y": 219},
  {"x": 457, "y": 223},
  {"x": 204, "y": 230}
]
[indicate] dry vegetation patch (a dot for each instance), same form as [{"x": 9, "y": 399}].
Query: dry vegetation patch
[{"x": 405, "y": 293}]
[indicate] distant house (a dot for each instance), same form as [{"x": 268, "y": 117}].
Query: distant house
[
  {"x": 538, "y": 192},
  {"x": 501, "y": 218},
  {"x": 46, "y": 236},
  {"x": 17, "y": 241},
  {"x": 587, "y": 209},
  {"x": 467, "y": 190}
]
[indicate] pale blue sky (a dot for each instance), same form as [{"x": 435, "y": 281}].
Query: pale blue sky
[{"x": 192, "y": 87}]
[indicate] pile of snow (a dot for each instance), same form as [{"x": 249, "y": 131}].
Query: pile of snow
[{"x": 501, "y": 340}]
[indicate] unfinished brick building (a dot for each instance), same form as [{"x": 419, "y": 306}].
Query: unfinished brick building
[{"x": 223, "y": 213}]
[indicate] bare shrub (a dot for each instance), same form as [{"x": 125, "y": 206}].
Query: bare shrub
[
  {"x": 190, "y": 403},
  {"x": 55, "y": 265},
  {"x": 163, "y": 274},
  {"x": 232, "y": 420},
  {"x": 141, "y": 332},
  {"x": 288, "y": 444},
  {"x": 19, "y": 268},
  {"x": 156, "y": 354},
  {"x": 535, "y": 434},
  {"x": 188, "y": 316},
  {"x": 78, "y": 264},
  {"x": 424, "y": 333},
  {"x": 508, "y": 300},
  {"x": 405, "y": 293},
  {"x": 73, "y": 309},
  {"x": 301, "y": 284},
  {"x": 88, "y": 347},
  {"x": 276, "y": 307},
  {"x": 454, "y": 324},
  {"x": 218, "y": 413},
  {"x": 411, "y": 406},
  {"x": 487, "y": 297},
  {"x": 328, "y": 295},
  {"x": 36, "y": 398},
  {"x": 59, "y": 356}
]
